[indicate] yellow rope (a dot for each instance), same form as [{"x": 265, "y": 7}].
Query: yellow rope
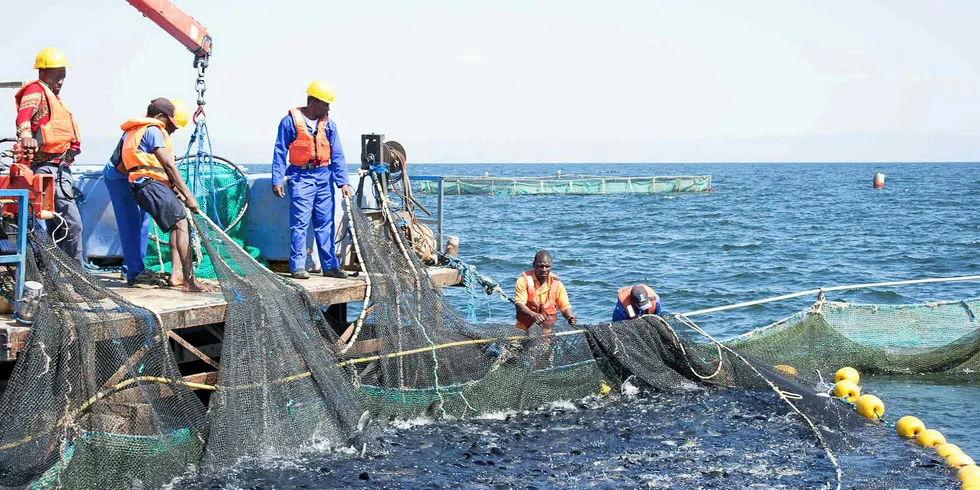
[{"x": 102, "y": 395}]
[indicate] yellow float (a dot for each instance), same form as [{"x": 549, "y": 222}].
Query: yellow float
[
  {"x": 786, "y": 370},
  {"x": 871, "y": 407},
  {"x": 969, "y": 472},
  {"x": 959, "y": 460},
  {"x": 604, "y": 389},
  {"x": 947, "y": 450},
  {"x": 930, "y": 438},
  {"x": 909, "y": 426},
  {"x": 847, "y": 390},
  {"x": 847, "y": 373}
]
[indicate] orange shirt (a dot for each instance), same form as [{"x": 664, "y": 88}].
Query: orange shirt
[{"x": 541, "y": 293}]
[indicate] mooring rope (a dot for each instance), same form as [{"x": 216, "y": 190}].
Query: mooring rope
[{"x": 824, "y": 290}]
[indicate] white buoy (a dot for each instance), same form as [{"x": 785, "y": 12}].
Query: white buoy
[{"x": 879, "y": 181}]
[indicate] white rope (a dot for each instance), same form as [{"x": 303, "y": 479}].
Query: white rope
[
  {"x": 61, "y": 223},
  {"x": 834, "y": 288},
  {"x": 694, "y": 327},
  {"x": 367, "y": 278}
]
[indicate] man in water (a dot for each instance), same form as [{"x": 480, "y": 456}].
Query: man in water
[
  {"x": 540, "y": 295},
  {"x": 635, "y": 301}
]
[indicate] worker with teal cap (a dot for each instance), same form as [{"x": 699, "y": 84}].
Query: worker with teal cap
[{"x": 308, "y": 151}]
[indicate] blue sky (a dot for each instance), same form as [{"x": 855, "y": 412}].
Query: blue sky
[{"x": 542, "y": 81}]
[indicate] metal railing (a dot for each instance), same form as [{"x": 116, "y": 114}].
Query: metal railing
[
  {"x": 18, "y": 256},
  {"x": 441, "y": 195}
]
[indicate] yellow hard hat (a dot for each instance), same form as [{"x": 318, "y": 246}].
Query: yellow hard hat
[
  {"x": 321, "y": 90},
  {"x": 50, "y": 58},
  {"x": 181, "y": 114}
]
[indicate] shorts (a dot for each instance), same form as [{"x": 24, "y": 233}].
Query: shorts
[{"x": 159, "y": 201}]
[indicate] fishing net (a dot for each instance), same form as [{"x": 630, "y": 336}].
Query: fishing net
[
  {"x": 280, "y": 389},
  {"x": 95, "y": 400},
  {"x": 572, "y": 184},
  {"x": 874, "y": 339},
  {"x": 222, "y": 191},
  {"x": 428, "y": 361}
]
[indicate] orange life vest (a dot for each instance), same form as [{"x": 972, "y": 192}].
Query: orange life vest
[
  {"x": 625, "y": 299},
  {"x": 309, "y": 149},
  {"x": 61, "y": 130},
  {"x": 137, "y": 163},
  {"x": 549, "y": 308}
]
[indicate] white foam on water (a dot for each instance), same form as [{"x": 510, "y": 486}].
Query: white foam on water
[
  {"x": 629, "y": 390},
  {"x": 560, "y": 405},
  {"x": 499, "y": 415},
  {"x": 413, "y": 422}
]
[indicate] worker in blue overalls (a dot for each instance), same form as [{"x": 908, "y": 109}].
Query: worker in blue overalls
[
  {"x": 132, "y": 222},
  {"x": 308, "y": 151}
]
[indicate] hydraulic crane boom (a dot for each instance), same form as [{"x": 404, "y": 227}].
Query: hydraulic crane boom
[{"x": 178, "y": 24}]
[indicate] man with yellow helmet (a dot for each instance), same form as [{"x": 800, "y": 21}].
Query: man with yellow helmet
[
  {"x": 49, "y": 136},
  {"x": 143, "y": 182},
  {"x": 308, "y": 151}
]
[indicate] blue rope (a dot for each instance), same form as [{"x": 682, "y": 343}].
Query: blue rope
[
  {"x": 379, "y": 168},
  {"x": 201, "y": 155},
  {"x": 471, "y": 281}
]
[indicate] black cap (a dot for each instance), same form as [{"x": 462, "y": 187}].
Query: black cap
[
  {"x": 163, "y": 106},
  {"x": 640, "y": 298}
]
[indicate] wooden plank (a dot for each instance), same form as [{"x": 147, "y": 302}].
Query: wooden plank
[
  {"x": 208, "y": 378},
  {"x": 193, "y": 350},
  {"x": 178, "y": 310}
]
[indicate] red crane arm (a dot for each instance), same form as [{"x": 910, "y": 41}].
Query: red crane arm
[{"x": 178, "y": 24}]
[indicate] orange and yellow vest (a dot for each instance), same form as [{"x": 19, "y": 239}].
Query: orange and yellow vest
[
  {"x": 549, "y": 308},
  {"x": 626, "y": 300},
  {"x": 307, "y": 148},
  {"x": 61, "y": 130},
  {"x": 137, "y": 163}
]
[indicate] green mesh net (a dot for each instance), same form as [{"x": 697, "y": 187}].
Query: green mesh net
[
  {"x": 874, "y": 339},
  {"x": 573, "y": 184},
  {"x": 221, "y": 189},
  {"x": 96, "y": 399}
]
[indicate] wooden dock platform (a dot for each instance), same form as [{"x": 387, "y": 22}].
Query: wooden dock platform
[{"x": 180, "y": 310}]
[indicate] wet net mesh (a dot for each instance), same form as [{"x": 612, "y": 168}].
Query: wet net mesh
[
  {"x": 466, "y": 369},
  {"x": 222, "y": 191},
  {"x": 941, "y": 337},
  {"x": 431, "y": 362},
  {"x": 95, "y": 399},
  {"x": 409, "y": 314},
  {"x": 280, "y": 388}
]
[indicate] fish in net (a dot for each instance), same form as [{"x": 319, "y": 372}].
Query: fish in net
[
  {"x": 430, "y": 361},
  {"x": 97, "y": 397}
]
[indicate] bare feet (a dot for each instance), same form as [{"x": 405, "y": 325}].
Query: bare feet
[{"x": 199, "y": 287}]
